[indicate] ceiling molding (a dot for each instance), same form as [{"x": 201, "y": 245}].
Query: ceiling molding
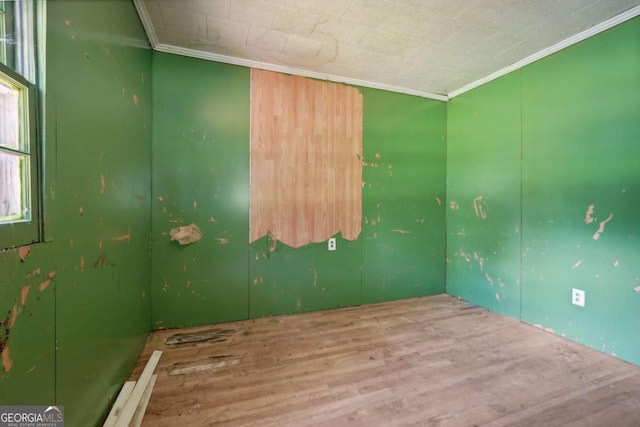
[
  {"x": 603, "y": 26},
  {"x": 290, "y": 70},
  {"x": 146, "y": 23},
  {"x": 161, "y": 47}
]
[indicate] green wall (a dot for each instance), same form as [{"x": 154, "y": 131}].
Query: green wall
[
  {"x": 403, "y": 196},
  {"x": 581, "y": 147},
  {"x": 573, "y": 120},
  {"x": 31, "y": 340},
  {"x": 93, "y": 270},
  {"x": 483, "y": 196},
  {"x": 201, "y": 174},
  {"x": 288, "y": 280}
]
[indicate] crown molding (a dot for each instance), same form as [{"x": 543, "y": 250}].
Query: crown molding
[
  {"x": 146, "y": 23},
  {"x": 193, "y": 53},
  {"x": 603, "y": 26}
]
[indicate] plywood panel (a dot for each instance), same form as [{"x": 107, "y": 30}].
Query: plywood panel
[
  {"x": 348, "y": 134},
  {"x": 306, "y": 170}
]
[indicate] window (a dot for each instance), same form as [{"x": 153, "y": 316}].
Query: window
[{"x": 19, "y": 183}]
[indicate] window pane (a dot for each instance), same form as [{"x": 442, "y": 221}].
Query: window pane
[
  {"x": 20, "y": 212},
  {"x": 13, "y": 179},
  {"x": 9, "y": 116},
  {"x": 8, "y": 38}
]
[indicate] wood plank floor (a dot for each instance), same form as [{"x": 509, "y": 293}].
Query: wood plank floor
[{"x": 433, "y": 361}]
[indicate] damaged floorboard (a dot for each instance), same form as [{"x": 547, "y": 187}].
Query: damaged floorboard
[{"x": 433, "y": 361}]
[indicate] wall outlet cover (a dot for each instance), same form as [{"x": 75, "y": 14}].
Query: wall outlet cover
[
  {"x": 578, "y": 297},
  {"x": 332, "y": 244}
]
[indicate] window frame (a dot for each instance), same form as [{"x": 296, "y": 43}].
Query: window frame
[
  {"x": 3, "y": 47},
  {"x": 28, "y": 229}
]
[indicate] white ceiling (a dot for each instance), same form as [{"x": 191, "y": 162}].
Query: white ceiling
[{"x": 432, "y": 48}]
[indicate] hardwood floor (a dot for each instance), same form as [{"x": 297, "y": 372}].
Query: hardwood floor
[{"x": 433, "y": 361}]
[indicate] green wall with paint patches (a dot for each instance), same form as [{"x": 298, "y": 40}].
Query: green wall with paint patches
[
  {"x": 27, "y": 373},
  {"x": 581, "y": 147},
  {"x": 483, "y": 196},
  {"x": 573, "y": 120},
  {"x": 201, "y": 172},
  {"x": 309, "y": 278},
  {"x": 86, "y": 290},
  {"x": 200, "y": 176},
  {"x": 403, "y": 209}
]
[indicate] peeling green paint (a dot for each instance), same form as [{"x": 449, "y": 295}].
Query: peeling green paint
[
  {"x": 567, "y": 130},
  {"x": 80, "y": 330},
  {"x": 403, "y": 209},
  {"x": 581, "y": 149},
  {"x": 200, "y": 176},
  {"x": 26, "y": 335},
  {"x": 309, "y": 278},
  {"x": 483, "y": 196},
  {"x": 99, "y": 93}
]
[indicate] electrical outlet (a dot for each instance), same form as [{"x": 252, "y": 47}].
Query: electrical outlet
[
  {"x": 578, "y": 297},
  {"x": 332, "y": 244}
]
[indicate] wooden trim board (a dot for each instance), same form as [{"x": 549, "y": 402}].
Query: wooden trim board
[
  {"x": 142, "y": 407},
  {"x": 122, "y": 398},
  {"x": 126, "y": 416}
]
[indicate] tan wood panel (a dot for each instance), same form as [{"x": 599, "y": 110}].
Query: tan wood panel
[
  {"x": 306, "y": 172},
  {"x": 426, "y": 361},
  {"x": 349, "y": 197}
]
